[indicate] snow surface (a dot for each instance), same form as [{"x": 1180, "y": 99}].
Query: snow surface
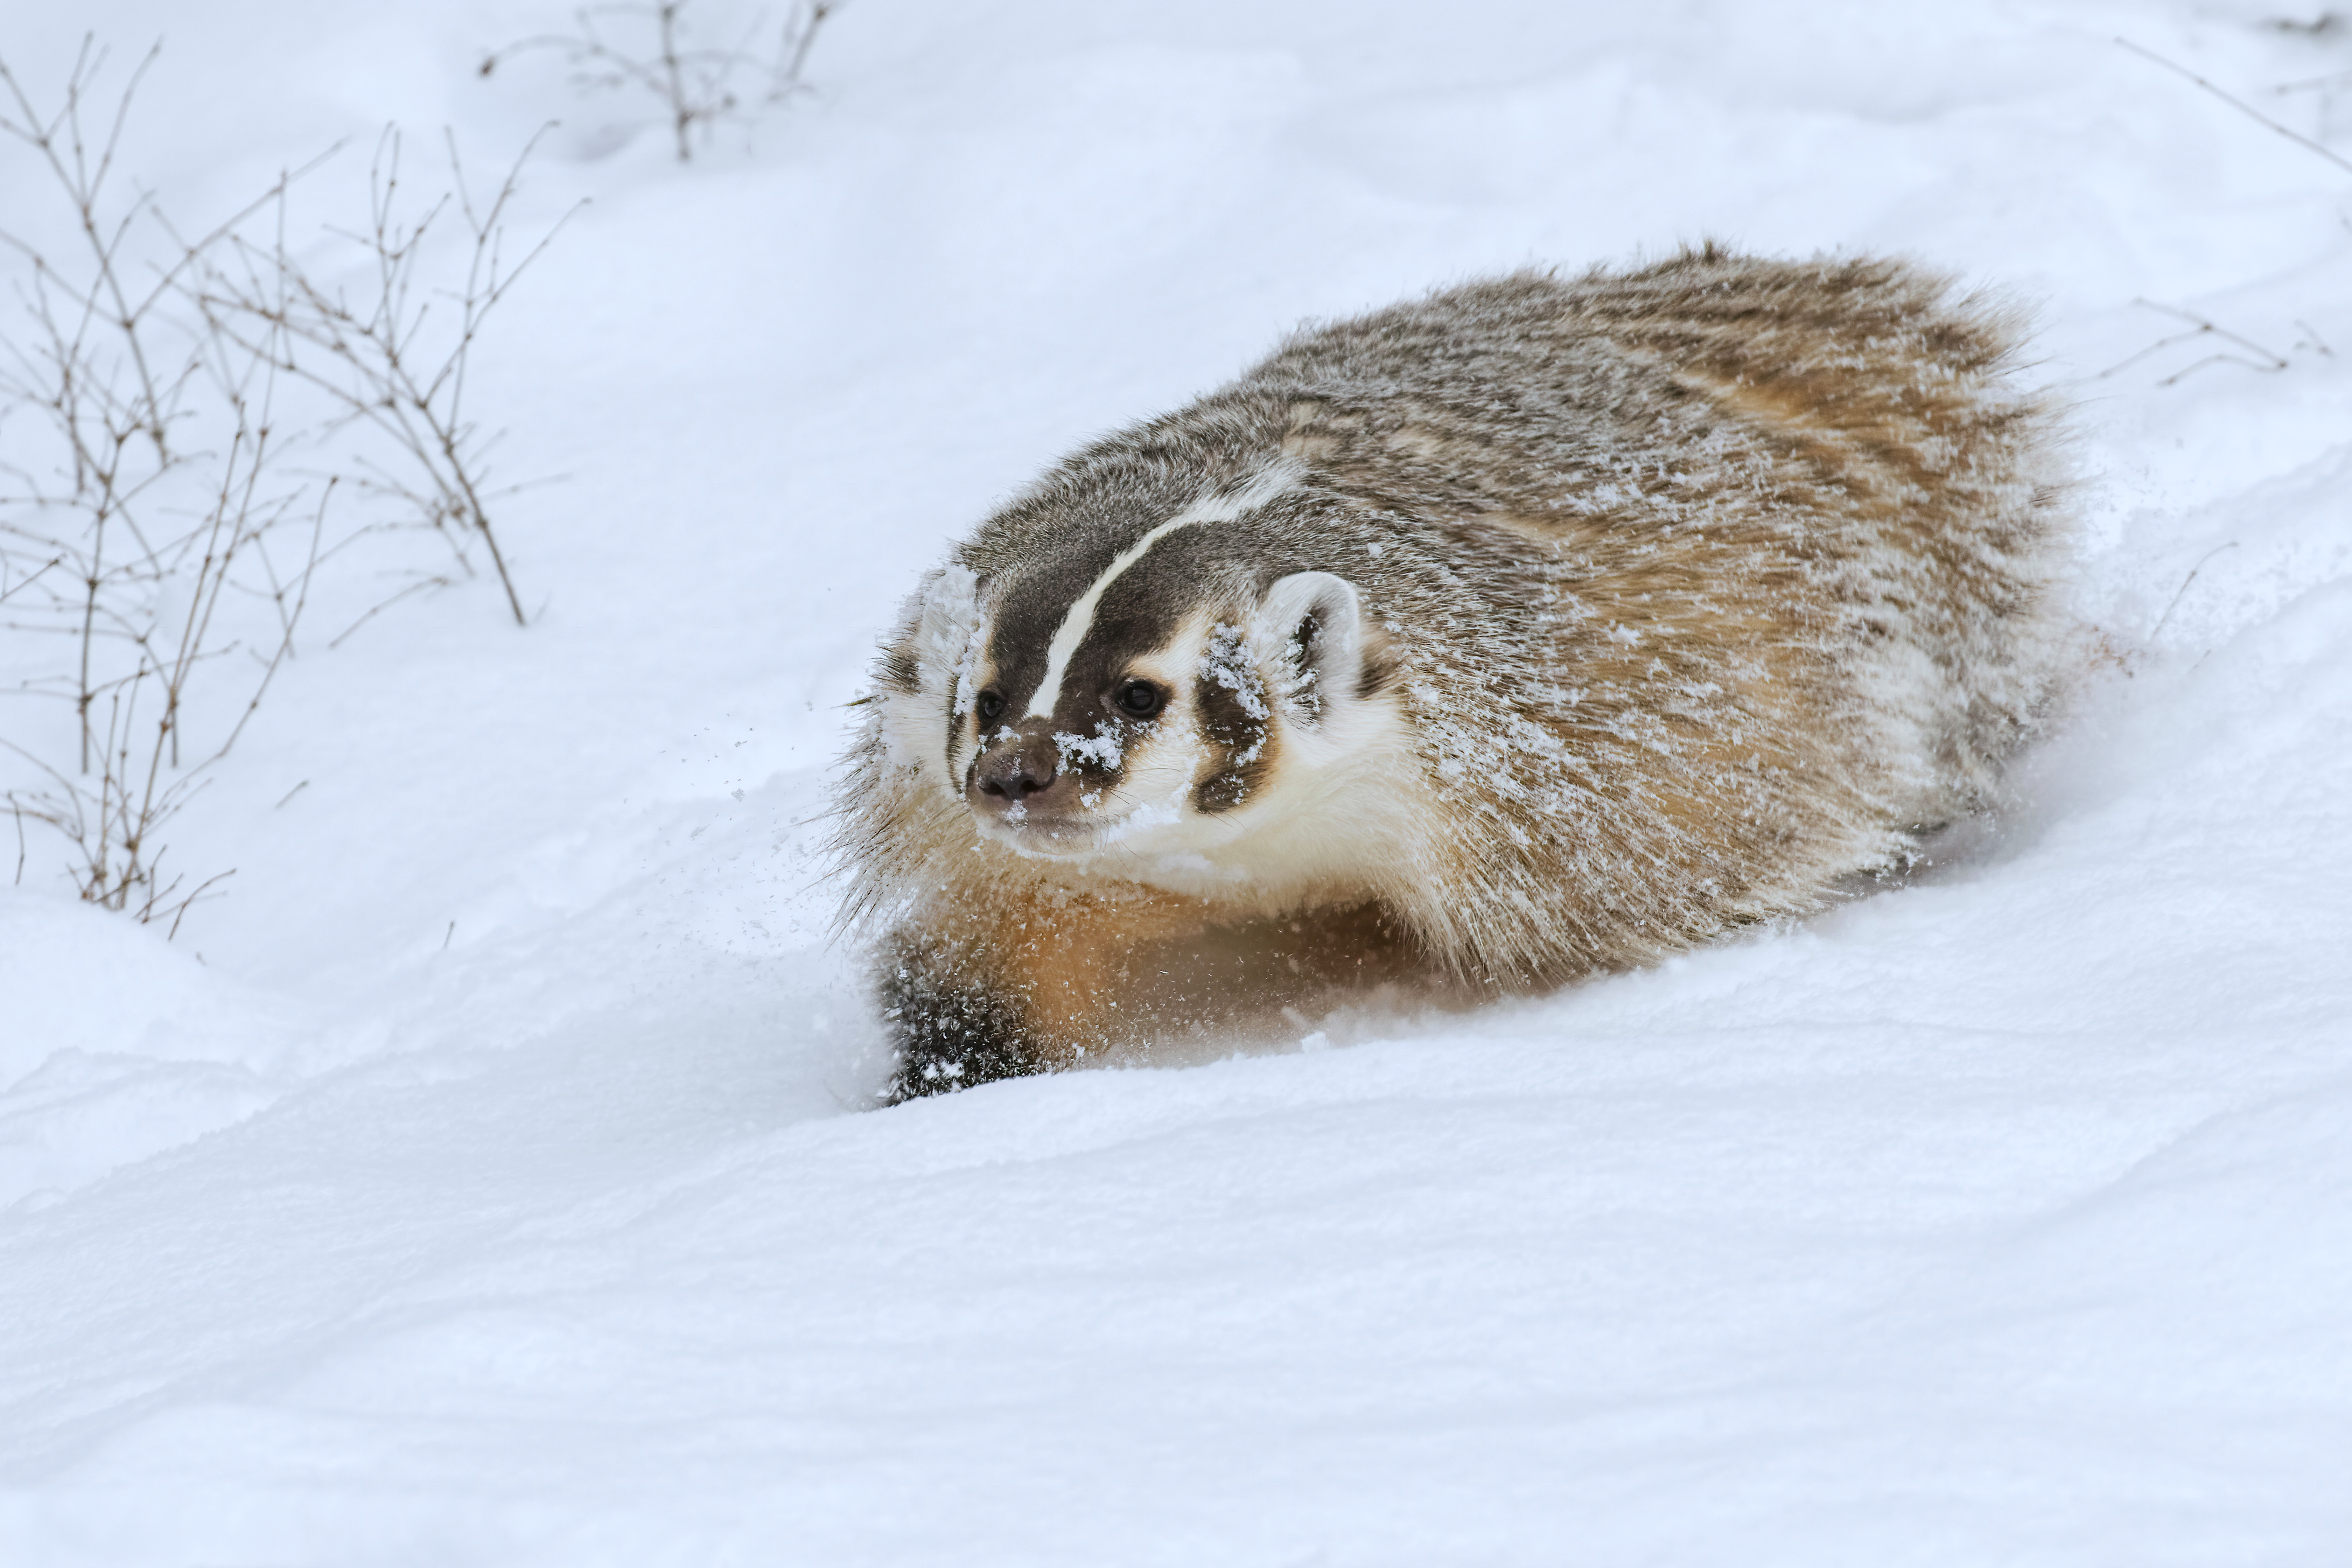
[{"x": 479, "y": 1183}]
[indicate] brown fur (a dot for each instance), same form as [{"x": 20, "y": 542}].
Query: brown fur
[{"x": 1686, "y": 592}]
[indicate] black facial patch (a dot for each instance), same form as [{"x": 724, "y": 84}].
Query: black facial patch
[
  {"x": 1137, "y": 614},
  {"x": 1033, "y": 610},
  {"x": 1303, "y": 650},
  {"x": 1236, "y": 719}
]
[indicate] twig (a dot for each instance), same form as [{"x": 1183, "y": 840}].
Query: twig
[
  {"x": 694, "y": 86},
  {"x": 286, "y": 620},
  {"x": 2157, "y": 630},
  {"x": 2242, "y": 106},
  {"x": 2269, "y": 364},
  {"x": 789, "y": 80},
  {"x": 417, "y": 587},
  {"x": 189, "y": 902}
]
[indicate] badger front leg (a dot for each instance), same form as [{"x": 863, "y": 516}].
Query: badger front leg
[
  {"x": 956, "y": 1017},
  {"x": 1055, "y": 978},
  {"x": 1031, "y": 984}
]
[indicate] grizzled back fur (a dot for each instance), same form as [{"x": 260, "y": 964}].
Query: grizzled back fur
[{"x": 1564, "y": 621}]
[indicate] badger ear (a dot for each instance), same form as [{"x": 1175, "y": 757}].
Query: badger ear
[{"x": 1311, "y": 624}]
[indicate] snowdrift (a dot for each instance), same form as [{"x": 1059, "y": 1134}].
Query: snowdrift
[{"x": 483, "y": 1180}]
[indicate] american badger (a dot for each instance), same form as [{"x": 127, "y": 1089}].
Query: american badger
[{"x": 1541, "y": 627}]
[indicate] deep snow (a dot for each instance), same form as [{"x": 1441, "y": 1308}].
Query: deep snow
[{"x": 477, "y": 1184}]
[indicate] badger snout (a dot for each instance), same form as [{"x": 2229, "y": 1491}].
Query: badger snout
[{"x": 1017, "y": 772}]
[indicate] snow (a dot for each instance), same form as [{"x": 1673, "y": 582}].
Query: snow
[
  {"x": 1104, "y": 750},
  {"x": 481, "y": 1180}
]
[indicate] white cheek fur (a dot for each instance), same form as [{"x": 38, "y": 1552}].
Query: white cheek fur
[{"x": 924, "y": 729}]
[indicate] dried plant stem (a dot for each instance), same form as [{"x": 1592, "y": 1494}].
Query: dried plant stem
[
  {"x": 151, "y": 389},
  {"x": 2242, "y": 106},
  {"x": 2264, "y": 360},
  {"x": 695, "y": 86},
  {"x": 801, "y": 36},
  {"x": 366, "y": 358},
  {"x": 682, "y": 113}
]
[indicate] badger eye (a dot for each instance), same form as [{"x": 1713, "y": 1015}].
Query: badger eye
[
  {"x": 1138, "y": 698},
  {"x": 991, "y": 704}
]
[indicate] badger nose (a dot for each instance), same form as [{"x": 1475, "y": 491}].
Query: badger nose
[{"x": 1018, "y": 766}]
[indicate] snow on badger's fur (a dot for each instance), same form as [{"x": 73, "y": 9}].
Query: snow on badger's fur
[{"x": 1537, "y": 628}]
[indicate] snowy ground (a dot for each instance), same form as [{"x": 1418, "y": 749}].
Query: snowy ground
[{"x": 478, "y": 1183}]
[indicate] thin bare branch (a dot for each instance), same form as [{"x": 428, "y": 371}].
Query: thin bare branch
[
  {"x": 695, "y": 86},
  {"x": 2264, "y": 360},
  {"x": 2242, "y": 106}
]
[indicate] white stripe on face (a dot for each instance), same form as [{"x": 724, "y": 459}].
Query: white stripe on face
[{"x": 1268, "y": 483}]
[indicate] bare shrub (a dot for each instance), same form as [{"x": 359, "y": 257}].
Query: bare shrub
[
  {"x": 696, "y": 85},
  {"x": 157, "y": 392},
  {"x": 378, "y": 358}
]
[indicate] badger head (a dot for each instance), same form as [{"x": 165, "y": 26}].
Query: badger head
[{"x": 1155, "y": 697}]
